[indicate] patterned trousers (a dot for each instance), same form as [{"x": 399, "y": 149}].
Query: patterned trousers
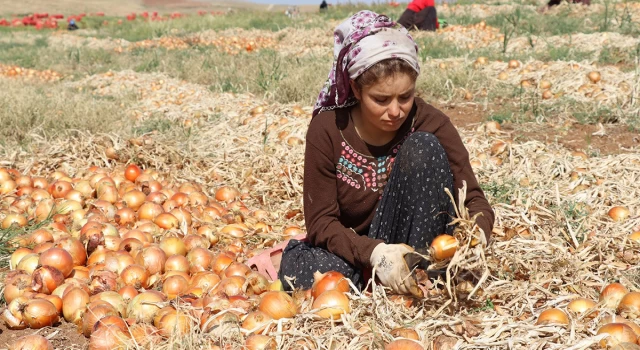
[{"x": 413, "y": 210}]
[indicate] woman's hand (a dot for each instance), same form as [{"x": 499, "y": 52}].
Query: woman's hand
[{"x": 392, "y": 270}]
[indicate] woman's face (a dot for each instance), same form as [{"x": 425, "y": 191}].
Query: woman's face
[{"x": 385, "y": 105}]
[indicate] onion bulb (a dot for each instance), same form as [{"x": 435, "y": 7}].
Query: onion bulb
[
  {"x": 331, "y": 280},
  {"x": 174, "y": 323},
  {"x": 94, "y": 312},
  {"x": 581, "y": 305},
  {"x": 618, "y": 333},
  {"x": 552, "y": 317},
  {"x": 132, "y": 172},
  {"x": 174, "y": 286},
  {"x": 403, "y": 344},
  {"x": 619, "y": 213},
  {"x": 136, "y": 276},
  {"x": 144, "y": 306},
  {"x": 260, "y": 342},
  {"x": 443, "y": 247},
  {"x": 31, "y": 342},
  {"x": 58, "y": 258},
  {"x": 277, "y": 305},
  {"x": 226, "y": 194},
  {"x": 40, "y": 313},
  {"x": 629, "y": 305},
  {"x": 256, "y": 322},
  {"x": 16, "y": 256},
  {"x": 173, "y": 246},
  {"x": 612, "y": 294},
  {"x": 332, "y": 304},
  {"x": 109, "y": 337},
  {"x": 46, "y": 279},
  {"x": 75, "y": 299},
  {"x": 594, "y": 76}
]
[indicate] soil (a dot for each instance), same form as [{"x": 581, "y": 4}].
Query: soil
[
  {"x": 63, "y": 336},
  {"x": 575, "y": 136}
]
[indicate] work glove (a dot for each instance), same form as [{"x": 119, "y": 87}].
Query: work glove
[{"x": 391, "y": 268}]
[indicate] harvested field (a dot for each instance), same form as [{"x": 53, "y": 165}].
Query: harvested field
[{"x": 226, "y": 159}]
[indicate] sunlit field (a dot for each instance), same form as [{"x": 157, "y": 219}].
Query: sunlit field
[{"x": 163, "y": 150}]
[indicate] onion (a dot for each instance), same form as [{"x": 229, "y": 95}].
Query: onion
[
  {"x": 260, "y": 342},
  {"x": 46, "y": 279},
  {"x": 110, "y": 321},
  {"x": 174, "y": 323},
  {"x": 94, "y": 312},
  {"x": 31, "y": 342},
  {"x": 237, "y": 269},
  {"x": 594, "y": 76},
  {"x": 443, "y": 247},
  {"x": 258, "y": 284},
  {"x": 156, "y": 197},
  {"x": 136, "y": 276},
  {"x": 331, "y": 304},
  {"x": 403, "y": 344},
  {"x": 405, "y": 333},
  {"x": 227, "y": 194},
  {"x": 221, "y": 262},
  {"x": 618, "y": 333},
  {"x": 54, "y": 299},
  {"x": 127, "y": 293},
  {"x": 75, "y": 248},
  {"x": 98, "y": 256},
  {"x": 629, "y": 305},
  {"x": 256, "y": 322},
  {"x": 80, "y": 272},
  {"x": 277, "y": 305},
  {"x": 114, "y": 299},
  {"x": 619, "y": 213},
  {"x": 166, "y": 221},
  {"x": 174, "y": 286},
  {"x": 17, "y": 255},
  {"x": 75, "y": 299},
  {"x": 195, "y": 241},
  {"x": 132, "y": 246},
  {"x": 635, "y": 236},
  {"x": 152, "y": 258},
  {"x": 29, "y": 263},
  {"x": 198, "y": 199},
  {"x": 173, "y": 246},
  {"x": 134, "y": 199},
  {"x": 117, "y": 261},
  {"x": 331, "y": 280},
  {"x": 206, "y": 280},
  {"x": 40, "y": 313},
  {"x": 59, "y": 189},
  {"x": 182, "y": 215},
  {"x": 58, "y": 258},
  {"x": 103, "y": 281},
  {"x": 149, "y": 211},
  {"x": 231, "y": 286},
  {"x": 612, "y": 294},
  {"x": 109, "y": 337},
  {"x": 12, "y": 316},
  {"x": 144, "y": 306},
  {"x": 132, "y": 172},
  {"x": 15, "y": 220},
  {"x": 16, "y": 286},
  {"x": 177, "y": 263},
  {"x": 514, "y": 64},
  {"x": 581, "y": 305},
  {"x": 552, "y": 317}
]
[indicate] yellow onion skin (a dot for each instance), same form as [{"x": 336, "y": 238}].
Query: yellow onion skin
[
  {"x": 143, "y": 306},
  {"x": 109, "y": 337},
  {"x": 278, "y": 305},
  {"x": 403, "y": 344},
  {"x": 94, "y": 312},
  {"x": 75, "y": 299},
  {"x": 40, "y": 313},
  {"x": 31, "y": 342},
  {"x": 332, "y": 304},
  {"x": 260, "y": 342}
]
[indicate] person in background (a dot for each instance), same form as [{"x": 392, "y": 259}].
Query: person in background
[
  {"x": 552, "y": 3},
  {"x": 324, "y": 5},
  {"x": 72, "y": 25},
  {"x": 421, "y": 15}
]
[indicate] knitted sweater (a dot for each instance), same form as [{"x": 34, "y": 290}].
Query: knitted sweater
[{"x": 344, "y": 178}]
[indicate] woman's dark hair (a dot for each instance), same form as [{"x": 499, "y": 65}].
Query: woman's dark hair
[{"x": 383, "y": 70}]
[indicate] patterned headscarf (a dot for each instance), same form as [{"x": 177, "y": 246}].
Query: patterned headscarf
[{"x": 361, "y": 41}]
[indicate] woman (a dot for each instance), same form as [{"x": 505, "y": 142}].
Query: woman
[
  {"x": 377, "y": 161},
  {"x": 420, "y": 14}
]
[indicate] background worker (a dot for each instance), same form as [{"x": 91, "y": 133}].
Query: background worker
[{"x": 421, "y": 15}]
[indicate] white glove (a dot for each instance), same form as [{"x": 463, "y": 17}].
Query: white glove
[{"x": 392, "y": 270}]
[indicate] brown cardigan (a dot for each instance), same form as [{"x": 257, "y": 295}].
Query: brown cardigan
[{"x": 344, "y": 178}]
